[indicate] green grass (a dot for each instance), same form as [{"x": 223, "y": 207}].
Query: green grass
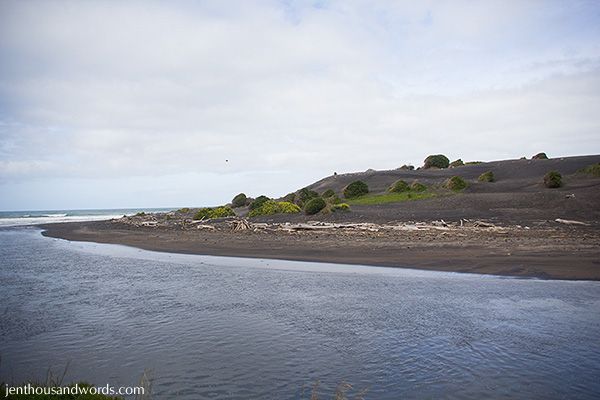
[
  {"x": 592, "y": 170},
  {"x": 373, "y": 199}
]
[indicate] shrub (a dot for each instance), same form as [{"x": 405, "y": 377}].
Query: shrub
[
  {"x": 437, "y": 161},
  {"x": 239, "y": 200},
  {"x": 184, "y": 210},
  {"x": 473, "y": 162},
  {"x": 418, "y": 187},
  {"x": 553, "y": 179},
  {"x": 407, "y": 167},
  {"x": 456, "y": 183},
  {"x": 333, "y": 199},
  {"x": 487, "y": 177},
  {"x": 140, "y": 214},
  {"x": 271, "y": 207},
  {"x": 290, "y": 197},
  {"x": 457, "y": 163},
  {"x": 540, "y": 156},
  {"x": 593, "y": 170},
  {"x": 306, "y": 194},
  {"x": 399, "y": 186},
  {"x": 340, "y": 207},
  {"x": 328, "y": 193},
  {"x": 315, "y": 205},
  {"x": 356, "y": 189},
  {"x": 216, "y": 212},
  {"x": 259, "y": 201}
]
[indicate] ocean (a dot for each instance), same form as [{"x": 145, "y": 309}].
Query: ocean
[{"x": 20, "y": 218}]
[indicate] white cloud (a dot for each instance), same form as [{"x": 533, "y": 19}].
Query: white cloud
[{"x": 95, "y": 90}]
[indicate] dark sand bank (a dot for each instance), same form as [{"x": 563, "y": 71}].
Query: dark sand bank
[
  {"x": 521, "y": 236},
  {"x": 551, "y": 252}
]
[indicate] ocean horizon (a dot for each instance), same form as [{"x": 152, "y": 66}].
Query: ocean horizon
[{"x": 36, "y": 217}]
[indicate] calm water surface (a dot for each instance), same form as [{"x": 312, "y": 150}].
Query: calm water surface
[{"x": 226, "y": 328}]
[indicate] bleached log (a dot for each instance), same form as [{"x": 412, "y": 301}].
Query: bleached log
[{"x": 570, "y": 222}]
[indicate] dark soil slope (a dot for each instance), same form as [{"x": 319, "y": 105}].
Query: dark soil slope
[{"x": 518, "y": 196}]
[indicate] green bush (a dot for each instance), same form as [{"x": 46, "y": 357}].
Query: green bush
[
  {"x": 457, "y": 163},
  {"x": 328, "y": 193},
  {"x": 290, "y": 197},
  {"x": 399, "y": 186},
  {"x": 356, "y": 189},
  {"x": 553, "y": 179},
  {"x": 333, "y": 199},
  {"x": 306, "y": 194},
  {"x": 258, "y": 202},
  {"x": 436, "y": 161},
  {"x": 418, "y": 187},
  {"x": 340, "y": 207},
  {"x": 315, "y": 205},
  {"x": 140, "y": 214},
  {"x": 407, "y": 167},
  {"x": 540, "y": 156},
  {"x": 456, "y": 183},
  {"x": 487, "y": 177},
  {"x": 271, "y": 207},
  {"x": 216, "y": 212},
  {"x": 184, "y": 210},
  {"x": 239, "y": 200},
  {"x": 593, "y": 170}
]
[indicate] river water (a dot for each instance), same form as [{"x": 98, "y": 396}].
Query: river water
[{"x": 229, "y": 328}]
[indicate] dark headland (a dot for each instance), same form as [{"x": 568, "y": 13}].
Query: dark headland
[{"x": 514, "y": 226}]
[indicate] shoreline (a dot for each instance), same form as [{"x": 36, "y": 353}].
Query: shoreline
[{"x": 565, "y": 253}]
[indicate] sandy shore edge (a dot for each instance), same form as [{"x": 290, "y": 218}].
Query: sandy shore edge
[{"x": 566, "y": 254}]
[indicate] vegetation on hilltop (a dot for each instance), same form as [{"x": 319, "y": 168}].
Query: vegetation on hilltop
[
  {"x": 436, "y": 161},
  {"x": 239, "y": 201}
]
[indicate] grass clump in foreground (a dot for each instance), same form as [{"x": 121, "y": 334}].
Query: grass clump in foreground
[
  {"x": 271, "y": 207},
  {"x": 214, "y": 212},
  {"x": 593, "y": 170},
  {"x": 374, "y": 199},
  {"x": 486, "y": 177},
  {"x": 456, "y": 184},
  {"x": 553, "y": 179}
]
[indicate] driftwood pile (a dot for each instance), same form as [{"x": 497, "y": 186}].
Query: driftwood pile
[{"x": 236, "y": 224}]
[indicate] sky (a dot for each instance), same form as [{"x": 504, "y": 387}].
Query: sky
[{"x": 109, "y": 104}]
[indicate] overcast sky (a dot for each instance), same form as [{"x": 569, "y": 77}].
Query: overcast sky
[{"x": 139, "y": 104}]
